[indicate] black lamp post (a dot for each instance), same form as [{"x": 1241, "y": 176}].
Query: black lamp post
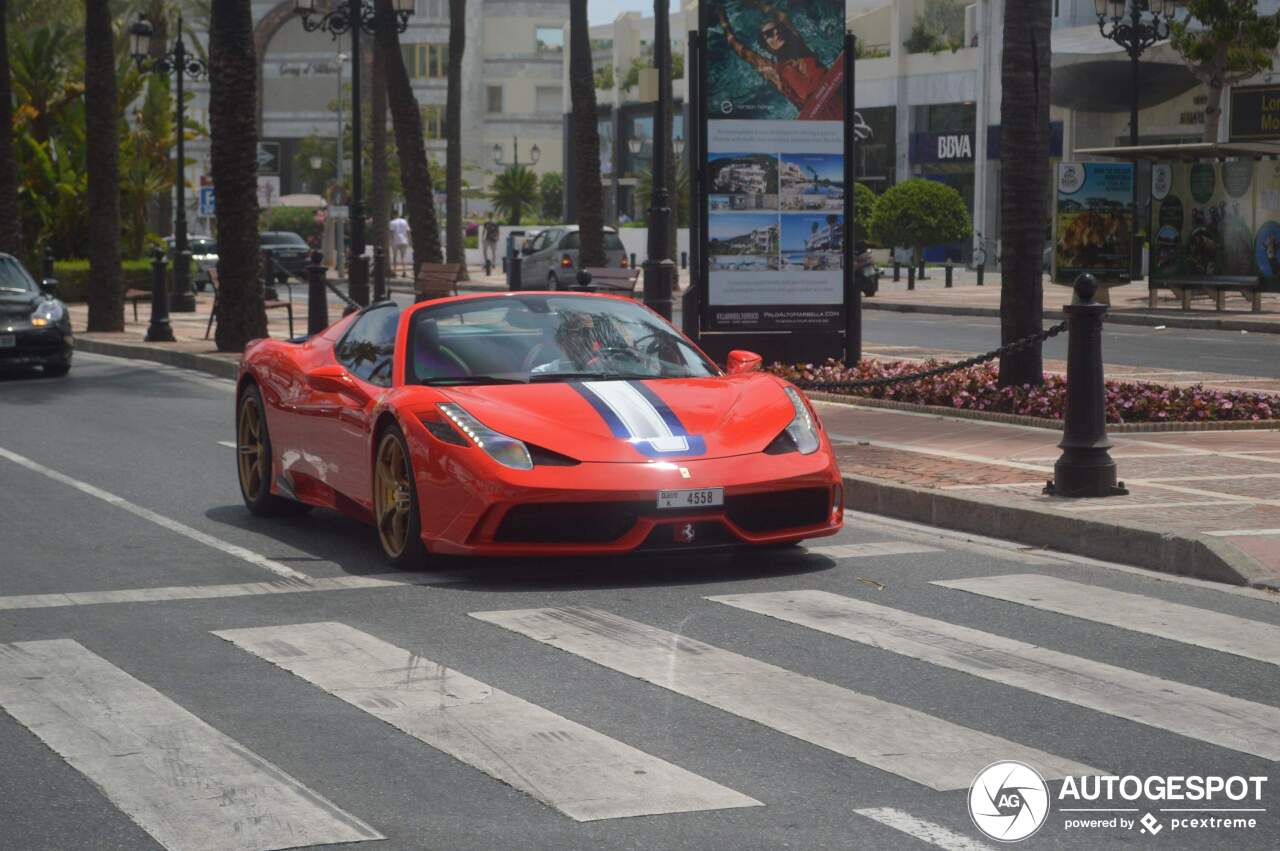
[
  {"x": 181, "y": 64},
  {"x": 1135, "y": 25},
  {"x": 535, "y": 154},
  {"x": 659, "y": 270},
  {"x": 353, "y": 16}
]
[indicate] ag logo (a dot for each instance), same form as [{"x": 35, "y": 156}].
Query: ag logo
[
  {"x": 1008, "y": 801},
  {"x": 726, "y": 106}
]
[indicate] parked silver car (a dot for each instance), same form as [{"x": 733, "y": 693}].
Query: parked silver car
[{"x": 551, "y": 256}]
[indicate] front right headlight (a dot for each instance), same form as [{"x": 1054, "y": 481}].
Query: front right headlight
[
  {"x": 48, "y": 313},
  {"x": 507, "y": 451},
  {"x": 801, "y": 434}
]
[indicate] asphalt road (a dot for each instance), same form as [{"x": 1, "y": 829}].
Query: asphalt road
[
  {"x": 168, "y": 680},
  {"x": 1228, "y": 352}
]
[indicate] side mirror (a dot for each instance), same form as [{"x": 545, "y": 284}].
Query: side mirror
[
  {"x": 744, "y": 361},
  {"x": 49, "y": 286},
  {"x": 334, "y": 379}
]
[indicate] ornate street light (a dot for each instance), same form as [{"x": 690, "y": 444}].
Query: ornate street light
[
  {"x": 535, "y": 154},
  {"x": 1135, "y": 25},
  {"x": 635, "y": 145},
  {"x": 678, "y": 146},
  {"x": 180, "y": 64},
  {"x": 353, "y": 16}
]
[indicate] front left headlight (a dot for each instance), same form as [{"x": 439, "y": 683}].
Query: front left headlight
[
  {"x": 48, "y": 313},
  {"x": 507, "y": 451}
]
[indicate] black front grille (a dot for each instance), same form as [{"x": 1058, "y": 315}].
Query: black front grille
[
  {"x": 777, "y": 510},
  {"x": 568, "y": 522}
]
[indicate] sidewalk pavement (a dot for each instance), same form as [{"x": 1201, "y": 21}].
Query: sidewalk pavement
[
  {"x": 1203, "y": 503},
  {"x": 1128, "y": 303}
]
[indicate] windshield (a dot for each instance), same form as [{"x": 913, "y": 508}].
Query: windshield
[
  {"x": 14, "y": 278},
  {"x": 537, "y": 338},
  {"x": 281, "y": 239}
]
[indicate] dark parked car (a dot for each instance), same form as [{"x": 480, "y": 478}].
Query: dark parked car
[
  {"x": 35, "y": 328},
  {"x": 288, "y": 249},
  {"x": 204, "y": 256}
]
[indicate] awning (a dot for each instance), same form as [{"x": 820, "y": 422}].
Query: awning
[{"x": 1189, "y": 152}]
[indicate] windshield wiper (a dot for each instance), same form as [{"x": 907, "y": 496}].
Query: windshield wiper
[
  {"x": 468, "y": 379},
  {"x": 588, "y": 376}
]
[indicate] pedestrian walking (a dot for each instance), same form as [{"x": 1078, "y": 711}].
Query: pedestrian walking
[
  {"x": 491, "y": 241},
  {"x": 399, "y": 243}
]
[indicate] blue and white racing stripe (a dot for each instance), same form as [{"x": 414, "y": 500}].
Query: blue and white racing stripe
[{"x": 638, "y": 415}]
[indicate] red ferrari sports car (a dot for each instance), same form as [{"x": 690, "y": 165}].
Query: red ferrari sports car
[{"x": 530, "y": 423}]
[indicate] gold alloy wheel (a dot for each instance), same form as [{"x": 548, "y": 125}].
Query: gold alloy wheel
[
  {"x": 392, "y": 500},
  {"x": 249, "y": 448}
]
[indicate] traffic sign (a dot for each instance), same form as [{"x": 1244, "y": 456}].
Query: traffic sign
[{"x": 206, "y": 201}]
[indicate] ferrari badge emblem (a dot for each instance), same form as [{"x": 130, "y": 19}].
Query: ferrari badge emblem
[
  {"x": 684, "y": 473},
  {"x": 685, "y": 533}
]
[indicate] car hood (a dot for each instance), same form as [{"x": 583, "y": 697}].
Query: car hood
[
  {"x": 636, "y": 421},
  {"x": 19, "y": 304}
]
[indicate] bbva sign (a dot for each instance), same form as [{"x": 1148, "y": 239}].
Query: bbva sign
[{"x": 955, "y": 147}]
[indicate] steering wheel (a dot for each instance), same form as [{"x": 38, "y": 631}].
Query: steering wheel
[{"x": 607, "y": 352}]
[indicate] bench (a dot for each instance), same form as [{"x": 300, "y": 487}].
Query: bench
[
  {"x": 614, "y": 279},
  {"x": 1184, "y": 286},
  {"x": 135, "y": 296},
  {"x": 437, "y": 280},
  {"x": 274, "y": 304}
]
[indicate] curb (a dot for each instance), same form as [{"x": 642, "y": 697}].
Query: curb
[
  {"x": 1198, "y": 323},
  {"x": 220, "y": 367},
  {"x": 1195, "y": 555}
]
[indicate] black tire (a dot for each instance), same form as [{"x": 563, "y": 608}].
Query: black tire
[
  {"x": 399, "y": 531},
  {"x": 57, "y": 367},
  {"x": 255, "y": 489}
]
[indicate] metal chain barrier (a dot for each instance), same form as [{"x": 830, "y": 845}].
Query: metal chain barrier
[{"x": 1016, "y": 346}]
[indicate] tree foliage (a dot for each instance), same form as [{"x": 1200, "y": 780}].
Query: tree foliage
[
  {"x": 919, "y": 212},
  {"x": 1224, "y": 42},
  {"x": 551, "y": 191},
  {"x": 864, "y": 206},
  {"x": 679, "y": 199},
  {"x": 514, "y": 192}
]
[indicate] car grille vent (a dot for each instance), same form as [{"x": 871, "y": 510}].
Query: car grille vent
[{"x": 778, "y": 510}]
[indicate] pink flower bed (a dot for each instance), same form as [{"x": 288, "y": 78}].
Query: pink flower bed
[{"x": 975, "y": 389}]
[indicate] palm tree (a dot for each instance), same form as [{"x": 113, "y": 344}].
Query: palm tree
[
  {"x": 588, "y": 191},
  {"x": 233, "y": 152},
  {"x": 455, "y": 249},
  {"x": 1024, "y": 183},
  {"x": 10, "y": 221},
  {"x": 105, "y": 296},
  {"x": 514, "y": 191},
  {"x": 406, "y": 120}
]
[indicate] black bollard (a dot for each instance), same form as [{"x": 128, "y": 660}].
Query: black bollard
[
  {"x": 1085, "y": 468},
  {"x": 379, "y": 273},
  {"x": 684, "y": 260},
  {"x": 488, "y": 267},
  {"x": 911, "y": 277},
  {"x": 981, "y": 269},
  {"x": 582, "y": 281},
  {"x": 948, "y": 273},
  {"x": 920, "y": 274},
  {"x": 160, "y": 330},
  {"x": 46, "y": 265},
  {"x": 269, "y": 278},
  {"x": 317, "y": 297},
  {"x": 633, "y": 260},
  {"x": 514, "y": 273},
  {"x": 897, "y": 272}
]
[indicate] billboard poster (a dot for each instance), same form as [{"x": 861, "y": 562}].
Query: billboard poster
[
  {"x": 1093, "y": 225},
  {"x": 775, "y": 175},
  {"x": 1203, "y": 217}
]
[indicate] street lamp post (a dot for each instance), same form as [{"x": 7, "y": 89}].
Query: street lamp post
[
  {"x": 353, "y": 16},
  {"x": 535, "y": 154},
  {"x": 181, "y": 64},
  {"x": 659, "y": 270}
]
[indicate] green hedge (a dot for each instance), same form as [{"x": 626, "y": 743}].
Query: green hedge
[
  {"x": 299, "y": 220},
  {"x": 73, "y": 277}
]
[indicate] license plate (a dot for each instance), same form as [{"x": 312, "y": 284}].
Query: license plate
[
  {"x": 695, "y": 498},
  {"x": 8, "y": 341}
]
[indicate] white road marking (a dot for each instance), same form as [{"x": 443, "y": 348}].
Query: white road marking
[
  {"x": 893, "y": 738},
  {"x": 192, "y": 592},
  {"x": 1174, "y": 621},
  {"x": 1198, "y": 713},
  {"x": 185, "y": 783},
  {"x": 230, "y": 444},
  {"x": 925, "y": 831},
  {"x": 887, "y": 548},
  {"x": 172, "y": 525},
  {"x": 1239, "y": 533},
  {"x": 584, "y": 774}
]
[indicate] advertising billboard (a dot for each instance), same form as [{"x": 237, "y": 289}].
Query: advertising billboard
[
  {"x": 775, "y": 175},
  {"x": 1093, "y": 225}
]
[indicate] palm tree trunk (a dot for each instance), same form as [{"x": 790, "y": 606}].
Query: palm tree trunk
[
  {"x": 1024, "y": 183},
  {"x": 102, "y": 157},
  {"x": 10, "y": 222},
  {"x": 379, "y": 197},
  {"x": 588, "y": 191},
  {"x": 233, "y": 153},
  {"x": 455, "y": 248},
  {"x": 406, "y": 119}
]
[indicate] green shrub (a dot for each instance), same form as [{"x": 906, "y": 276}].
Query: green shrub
[
  {"x": 471, "y": 242},
  {"x": 864, "y": 205},
  {"x": 73, "y": 277},
  {"x": 299, "y": 220},
  {"x": 919, "y": 212}
]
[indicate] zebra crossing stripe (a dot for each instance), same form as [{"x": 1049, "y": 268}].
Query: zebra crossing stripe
[
  {"x": 885, "y": 548},
  {"x": 1198, "y": 713},
  {"x": 925, "y": 831},
  {"x": 1174, "y": 621},
  {"x": 582, "y": 773},
  {"x": 188, "y": 785},
  {"x": 170, "y": 593},
  {"x": 897, "y": 739}
]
